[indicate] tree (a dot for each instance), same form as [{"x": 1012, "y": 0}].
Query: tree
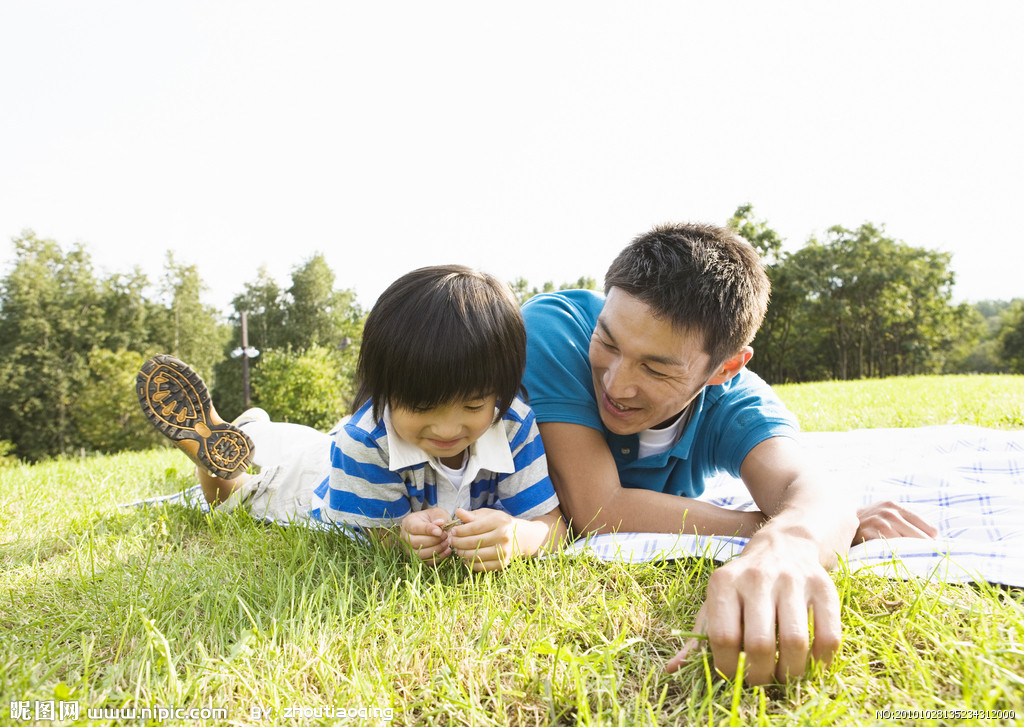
[
  {"x": 757, "y": 232},
  {"x": 854, "y": 304},
  {"x": 310, "y": 314},
  {"x": 312, "y": 387},
  {"x": 874, "y": 306},
  {"x": 1011, "y": 337},
  {"x": 51, "y": 315},
  {"x": 523, "y": 292},
  {"x": 265, "y": 306},
  {"x": 185, "y": 327},
  {"x": 976, "y": 350},
  {"x": 775, "y": 346},
  {"x": 128, "y": 315},
  {"x": 106, "y": 413},
  {"x": 318, "y": 314}
]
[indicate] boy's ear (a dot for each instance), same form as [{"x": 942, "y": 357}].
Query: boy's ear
[{"x": 732, "y": 366}]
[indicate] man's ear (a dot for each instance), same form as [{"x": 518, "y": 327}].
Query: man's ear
[{"x": 732, "y": 366}]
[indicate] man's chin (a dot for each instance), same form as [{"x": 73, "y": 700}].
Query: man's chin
[{"x": 617, "y": 426}]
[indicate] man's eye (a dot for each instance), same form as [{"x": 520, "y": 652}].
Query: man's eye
[{"x": 652, "y": 372}]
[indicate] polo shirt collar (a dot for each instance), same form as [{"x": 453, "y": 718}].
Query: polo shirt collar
[
  {"x": 626, "y": 446},
  {"x": 490, "y": 452},
  {"x": 684, "y": 446}
]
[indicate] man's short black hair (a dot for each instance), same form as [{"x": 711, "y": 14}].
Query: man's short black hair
[
  {"x": 442, "y": 334},
  {"x": 700, "y": 278}
]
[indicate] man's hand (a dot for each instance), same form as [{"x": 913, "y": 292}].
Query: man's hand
[
  {"x": 762, "y": 602},
  {"x": 890, "y": 520},
  {"x": 760, "y": 606},
  {"x": 421, "y": 532}
]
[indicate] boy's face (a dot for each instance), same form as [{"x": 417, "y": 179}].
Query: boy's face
[
  {"x": 445, "y": 431},
  {"x": 645, "y": 372}
]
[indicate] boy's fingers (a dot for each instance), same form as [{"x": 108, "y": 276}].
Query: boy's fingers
[
  {"x": 421, "y": 526},
  {"x": 482, "y": 558},
  {"x": 434, "y": 554},
  {"x": 472, "y": 523}
]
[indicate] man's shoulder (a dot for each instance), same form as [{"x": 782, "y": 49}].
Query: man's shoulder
[
  {"x": 746, "y": 398},
  {"x": 557, "y": 378},
  {"x": 580, "y": 306},
  {"x": 746, "y": 382}
]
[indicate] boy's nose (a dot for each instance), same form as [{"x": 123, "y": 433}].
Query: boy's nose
[{"x": 447, "y": 429}]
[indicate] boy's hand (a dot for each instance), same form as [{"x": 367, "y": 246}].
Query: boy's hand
[
  {"x": 486, "y": 540},
  {"x": 421, "y": 532}
]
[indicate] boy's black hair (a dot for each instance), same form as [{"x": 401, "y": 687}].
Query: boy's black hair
[
  {"x": 441, "y": 334},
  {"x": 700, "y": 278}
]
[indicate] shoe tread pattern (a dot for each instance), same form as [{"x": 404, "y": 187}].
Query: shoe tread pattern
[{"x": 176, "y": 401}]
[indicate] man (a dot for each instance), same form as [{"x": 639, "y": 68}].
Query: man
[{"x": 643, "y": 393}]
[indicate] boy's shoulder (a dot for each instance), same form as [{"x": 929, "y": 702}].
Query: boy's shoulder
[
  {"x": 519, "y": 411},
  {"x": 363, "y": 427},
  {"x": 518, "y": 422}
]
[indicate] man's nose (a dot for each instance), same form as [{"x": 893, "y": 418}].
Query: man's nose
[{"x": 618, "y": 380}]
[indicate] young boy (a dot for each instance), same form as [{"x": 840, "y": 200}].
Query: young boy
[{"x": 439, "y": 431}]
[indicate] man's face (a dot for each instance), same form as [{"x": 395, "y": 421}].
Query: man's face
[{"x": 645, "y": 372}]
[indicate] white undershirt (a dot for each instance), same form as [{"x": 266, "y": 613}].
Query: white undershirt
[
  {"x": 457, "y": 496},
  {"x": 656, "y": 441}
]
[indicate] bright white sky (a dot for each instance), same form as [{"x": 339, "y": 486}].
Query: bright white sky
[{"x": 530, "y": 139}]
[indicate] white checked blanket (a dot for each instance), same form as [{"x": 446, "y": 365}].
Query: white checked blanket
[{"x": 966, "y": 481}]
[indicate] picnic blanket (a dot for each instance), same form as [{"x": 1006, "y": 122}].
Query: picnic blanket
[{"x": 966, "y": 481}]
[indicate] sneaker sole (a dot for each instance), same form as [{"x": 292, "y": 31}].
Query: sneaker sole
[{"x": 176, "y": 401}]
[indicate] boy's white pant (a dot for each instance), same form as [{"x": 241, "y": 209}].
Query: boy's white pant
[{"x": 293, "y": 461}]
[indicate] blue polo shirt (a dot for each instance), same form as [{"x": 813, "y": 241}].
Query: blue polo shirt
[{"x": 728, "y": 420}]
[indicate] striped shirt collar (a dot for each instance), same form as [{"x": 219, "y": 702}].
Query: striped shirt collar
[{"x": 491, "y": 452}]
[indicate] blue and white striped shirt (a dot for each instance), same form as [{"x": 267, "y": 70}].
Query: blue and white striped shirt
[{"x": 376, "y": 479}]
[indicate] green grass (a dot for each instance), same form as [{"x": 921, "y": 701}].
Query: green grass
[
  {"x": 165, "y": 606},
  {"x": 918, "y": 401}
]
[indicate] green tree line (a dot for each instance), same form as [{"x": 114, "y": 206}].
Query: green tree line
[
  {"x": 857, "y": 303},
  {"x": 71, "y": 342},
  {"x": 853, "y": 304}
]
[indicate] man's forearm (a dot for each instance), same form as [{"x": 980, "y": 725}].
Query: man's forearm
[
  {"x": 806, "y": 519},
  {"x": 633, "y": 510},
  {"x": 802, "y": 514}
]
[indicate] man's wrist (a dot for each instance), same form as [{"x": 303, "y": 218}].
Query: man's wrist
[{"x": 794, "y": 537}]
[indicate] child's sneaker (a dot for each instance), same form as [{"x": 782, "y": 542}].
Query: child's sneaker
[{"x": 177, "y": 402}]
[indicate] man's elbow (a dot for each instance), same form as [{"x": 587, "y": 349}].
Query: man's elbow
[{"x": 588, "y": 518}]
